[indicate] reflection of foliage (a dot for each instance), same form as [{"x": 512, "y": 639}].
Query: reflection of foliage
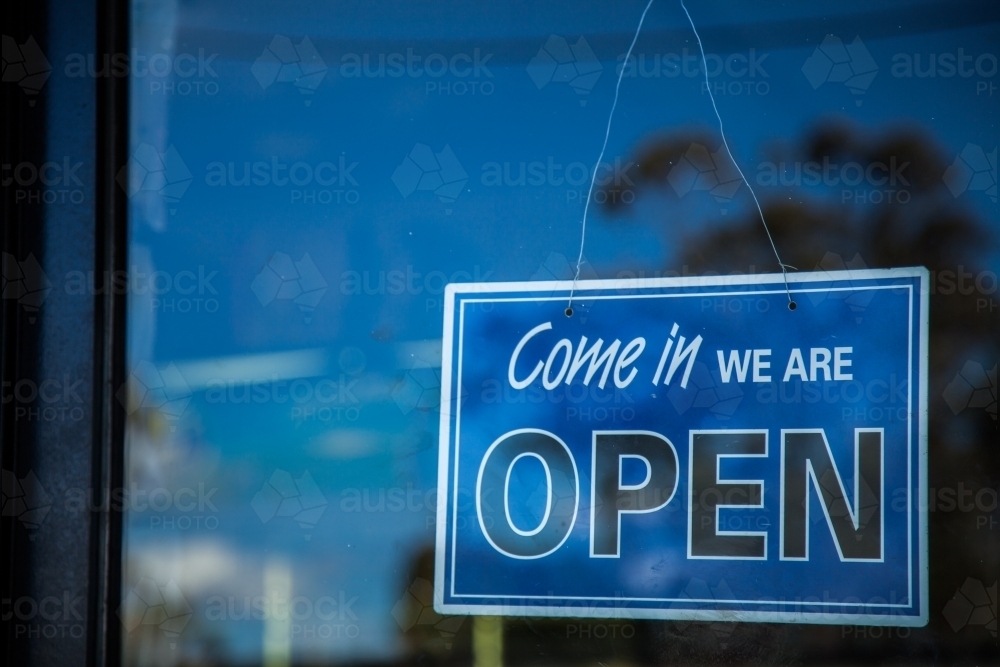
[{"x": 930, "y": 229}]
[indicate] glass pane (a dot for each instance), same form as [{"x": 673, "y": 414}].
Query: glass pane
[{"x": 306, "y": 177}]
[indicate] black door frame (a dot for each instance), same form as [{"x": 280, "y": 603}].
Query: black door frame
[{"x": 62, "y": 572}]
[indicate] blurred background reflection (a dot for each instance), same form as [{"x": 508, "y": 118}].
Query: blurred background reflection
[{"x": 306, "y": 177}]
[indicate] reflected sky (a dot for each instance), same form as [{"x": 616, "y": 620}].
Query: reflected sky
[{"x": 307, "y": 177}]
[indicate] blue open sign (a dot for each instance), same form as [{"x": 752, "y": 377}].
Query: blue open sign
[{"x": 686, "y": 448}]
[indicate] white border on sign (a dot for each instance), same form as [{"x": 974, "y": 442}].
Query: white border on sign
[
  {"x": 703, "y": 294},
  {"x": 525, "y": 605}
]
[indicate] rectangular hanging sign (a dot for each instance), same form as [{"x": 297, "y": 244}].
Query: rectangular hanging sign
[{"x": 688, "y": 448}]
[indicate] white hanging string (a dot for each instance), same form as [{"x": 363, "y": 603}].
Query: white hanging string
[
  {"x": 708, "y": 87},
  {"x": 604, "y": 146},
  {"x": 607, "y": 133}
]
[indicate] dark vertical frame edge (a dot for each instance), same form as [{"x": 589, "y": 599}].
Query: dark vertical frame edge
[
  {"x": 111, "y": 239},
  {"x": 22, "y": 138}
]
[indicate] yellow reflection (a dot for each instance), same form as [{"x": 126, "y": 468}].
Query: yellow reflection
[
  {"x": 277, "y": 623},
  {"x": 487, "y": 641}
]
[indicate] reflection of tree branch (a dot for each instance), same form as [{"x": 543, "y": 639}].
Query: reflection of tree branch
[
  {"x": 930, "y": 229},
  {"x": 653, "y": 161}
]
